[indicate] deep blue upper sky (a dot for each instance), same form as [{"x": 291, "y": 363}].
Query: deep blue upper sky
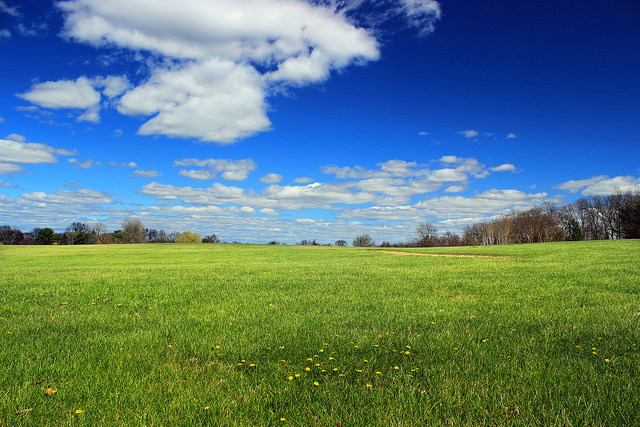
[{"x": 314, "y": 121}]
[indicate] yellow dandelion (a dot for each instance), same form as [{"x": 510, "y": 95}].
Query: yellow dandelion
[
  {"x": 335, "y": 369},
  {"x": 290, "y": 378},
  {"x": 396, "y": 367},
  {"x": 407, "y": 346},
  {"x": 317, "y": 364},
  {"x": 78, "y": 411},
  {"x": 252, "y": 365},
  {"x": 376, "y": 345},
  {"x": 485, "y": 340},
  {"x": 595, "y": 352},
  {"x": 297, "y": 375},
  {"x": 407, "y": 352},
  {"x": 321, "y": 350},
  {"x": 315, "y": 383},
  {"x": 283, "y": 419},
  {"x": 366, "y": 361},
  {"x": 369, "y": 385},
  {"x": 309, "y": 359},
  {"x": 206, "y": 408},
  {"x": 307, "y": 369},
  {"x": 607, "y": 360},
  {"x": 378, "y": 373},
  {"x": 331, "y": 358}
]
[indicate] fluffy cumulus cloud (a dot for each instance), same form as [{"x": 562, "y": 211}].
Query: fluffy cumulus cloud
[
  {"x": 392, "y": 183},
  {"x": 505, "y": 167},
  {"x": 271, "y": 178},
  {"x": 15, "y": 151},
  {"x": 487, "y": 204},
  {"x": 217, "y": 61},
  {"x": 601, "y": 185},
  {"x": 229, "y": 169}
]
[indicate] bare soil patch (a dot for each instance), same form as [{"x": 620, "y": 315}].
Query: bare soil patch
[{"x": 458, "y": 255}]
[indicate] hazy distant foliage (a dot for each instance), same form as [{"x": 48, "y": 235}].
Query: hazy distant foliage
[
  {"x": 189, "y": 237},
  {"x": 363, "y": 241}
]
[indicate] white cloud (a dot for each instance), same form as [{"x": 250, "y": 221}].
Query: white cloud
[
  {"x": 303, "y": 180},
  {"x": 421, "y": 14},
  {"x": 217, "y": 100},
  {"x": 15, "y": 151},
  {"x": 123, "y": 164},
  {"x": 489, "y": 203},
  {"x": 17, "y": 138},
  {"x": 113, "y": 85},
  {"x": 388, "y": 169},
  {"x": 70, "y": 198},
  {"x": 231, "y": 170},
  {"x": 470, "y": 133},
  {"x": 271, "y": 178},
  {"x": 87, "y": 164},
  {"x": 506, "y": 167},
  {"x": 602, "y": 185},
  {"x": 270, "y": 212},
  {"x": 77, "y": 94},
  {"x": 511, "y": 135},
  {"x": 201, "y": 175},
  {"x": 225, "y": 56},
  {"x": 574, "y": 186},
  {"x": 455, "y": 189},
  {"x": 5, "y": 34},
  {"x": 11, "y": 11},
  {"x": 146, "y": 174},
  {"x": 7, "y": 168},
  {"x": 4, "y": 184}
]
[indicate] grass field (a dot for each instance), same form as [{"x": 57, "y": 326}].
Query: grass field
[{"x": 285, "y": 335}]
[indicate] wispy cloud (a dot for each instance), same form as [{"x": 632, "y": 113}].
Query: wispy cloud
[
  {"x": 146, "y": 173},
  {"x": 272, "y": 178},
  {"x": 231, "y": 170},
  {"x": 506, "y": 167},
  {"x": 601, "y": 185},
  {"x": 15, "y": 151},
  {"x": 469, "y": 133}
]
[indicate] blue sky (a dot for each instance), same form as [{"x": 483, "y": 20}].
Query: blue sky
[{"x": 265, "y": 120}]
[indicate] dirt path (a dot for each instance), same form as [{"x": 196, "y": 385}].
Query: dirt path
[{"x": 447, "y": 255}]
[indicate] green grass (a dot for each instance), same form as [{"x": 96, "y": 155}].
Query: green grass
[{"x": 210, "y": 334}]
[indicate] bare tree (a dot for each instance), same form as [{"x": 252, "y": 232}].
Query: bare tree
[
  {"x": 99, "y": 228},
  {"x": 426, "y": 234},
  {"x": 472, "y": 234},
  {"x": 133, "y": 231},
  {"x": 211, "y": 239},
  {"x": 363, "y": 241}
]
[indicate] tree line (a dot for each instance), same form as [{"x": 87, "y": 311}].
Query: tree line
[
  {"x": 78, "y": 233},
  {"x": 616, "y": 216}
]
